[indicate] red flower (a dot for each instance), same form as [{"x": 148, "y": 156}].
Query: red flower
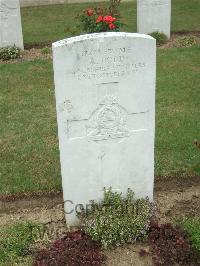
[
  {"x": 112, "y": 26},
  {"x": 109, "y": 19},
  {"x": 99, "y": 19},
  {"x": 90, "y": 12}
]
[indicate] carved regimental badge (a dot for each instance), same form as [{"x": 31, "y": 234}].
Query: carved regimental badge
[
  {"x": 6, "y": 10},
  {"x": 107, "y": 121}
]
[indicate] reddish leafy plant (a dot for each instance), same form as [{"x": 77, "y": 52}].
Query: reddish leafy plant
[
  {"x": 170, "y": 245},
  {"x": 75, "y": 249}
]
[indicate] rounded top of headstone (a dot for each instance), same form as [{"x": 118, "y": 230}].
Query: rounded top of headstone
[{"x": 100, "y": 35}]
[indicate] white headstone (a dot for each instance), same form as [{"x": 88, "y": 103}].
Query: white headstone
[
  {"x": 10, "y": 24},
  {"x": 154, "y": 15},
  {"x": 105, "y": 97}
]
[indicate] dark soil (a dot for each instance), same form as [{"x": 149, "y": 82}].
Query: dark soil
[
  {"x": 39, "y": 45},
  {"x": 177, "y": 197},
  {"x": 173, "y": 195},
  {"x": 175, "y": 183},
  {"x": 186, "y": 33},
  {"x": 189, "y": 208}
]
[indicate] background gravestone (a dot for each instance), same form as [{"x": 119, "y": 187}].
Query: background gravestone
[
  {"x": 105, "y": 97},
  {"x": 154, "y": 15},
  {"x": 10, "y": 24}
]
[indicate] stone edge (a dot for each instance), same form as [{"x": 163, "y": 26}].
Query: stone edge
[{"x": 99, "y": 35}]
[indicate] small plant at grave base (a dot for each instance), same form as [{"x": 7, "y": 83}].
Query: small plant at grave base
[
  {"x": 9, "y": 52},
  {"x": 76, "y": 248},
  {"x": 117, "y": 220},
  {"x": 46, "y": 50},
  {"x": 101, "y": 19},
  {"x": 170, "y": 246},
  {"x": 161, "y": 38}
]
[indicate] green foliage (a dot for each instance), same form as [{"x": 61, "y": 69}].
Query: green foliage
[
  {"x": 116, "y": 219},
  {"x": 192, "y": 227},
  {"x": 101, "y": 19},
  {"x": 161, "y": 38},
  {"x": 46, "y": 50},
  {"x": 9, "y": 52},
  {"x": 14, "y": 241},
  {"x": 87, "y": 23},
  {"x": 187, "y": 41},
  {"x": 98, "y": 20}
]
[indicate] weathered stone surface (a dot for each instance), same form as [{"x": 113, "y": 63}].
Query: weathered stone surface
[
  {"x": 10, "y": 24},
  {"x": 154, "y": 15},
  {"x": 105, "y": 97}
]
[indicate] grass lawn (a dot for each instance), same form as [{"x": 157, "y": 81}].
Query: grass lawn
[
  {"x": 178, "y": 100},
  {"x": 29, "y": 152},
  {"x": 192, "y": 227},
  {"x": 14, "y": 243},
  {"x": 29, "y": 146},
  {"x": 51, "y": 23}
]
